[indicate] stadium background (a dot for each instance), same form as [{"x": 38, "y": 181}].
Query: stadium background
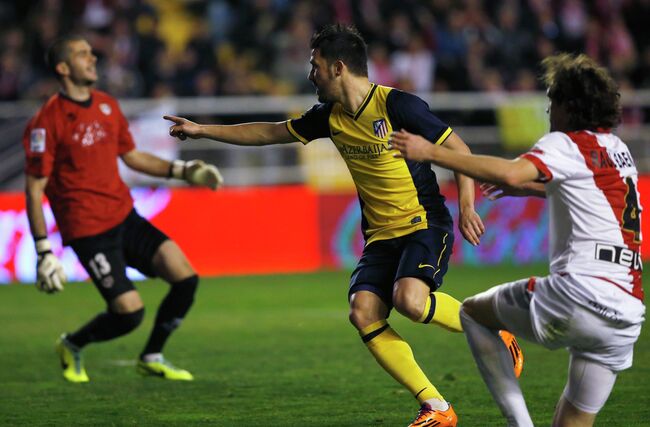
[{"x": 293, "y": 208}]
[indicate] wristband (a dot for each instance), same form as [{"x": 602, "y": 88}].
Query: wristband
[
  {"x": 177, "y": 169},
  {"x": 43, "y": 245}
]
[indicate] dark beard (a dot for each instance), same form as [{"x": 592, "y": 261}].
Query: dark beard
[{"x": 321, "y": 97}]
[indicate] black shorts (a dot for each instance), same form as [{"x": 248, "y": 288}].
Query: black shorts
[
  {"x": 423, "y": 254},
  {"x": 105, "y": 256}
]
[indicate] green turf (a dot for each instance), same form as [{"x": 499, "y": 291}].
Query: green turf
[{"x": 267, "y": 351}]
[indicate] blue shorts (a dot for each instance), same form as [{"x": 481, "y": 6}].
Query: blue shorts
[{"x": 423, "y": 254}]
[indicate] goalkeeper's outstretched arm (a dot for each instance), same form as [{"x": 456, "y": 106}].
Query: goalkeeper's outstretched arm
[
  {"x": 257, "y": 133},
  {"x": 195, "y": 172},
  {"x": 146, "y": 163}
]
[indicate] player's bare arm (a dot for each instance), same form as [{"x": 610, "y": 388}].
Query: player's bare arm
[
  {"x": 34, "y": 190},
  {"x": 146, "y": 163},
  {"x": 50, "y": 276},
  {"x": 469, "y": 222},
  {"x": 513, "y": 173},
  {"x": 195, "y": 172},
  {"x": 257, "y": 133},
  {"x": 497, "y": 191}
]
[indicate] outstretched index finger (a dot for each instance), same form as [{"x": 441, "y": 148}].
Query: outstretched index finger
[{"x": 175, "y": 119}]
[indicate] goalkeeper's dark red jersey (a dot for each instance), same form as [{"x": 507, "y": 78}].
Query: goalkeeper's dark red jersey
[{"x": 76, "y": 146}]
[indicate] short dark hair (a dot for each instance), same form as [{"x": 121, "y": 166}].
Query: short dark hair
[
  {"x": 59, "y": 51},
  {"x": 342, "y": 42},
  {"x": 585, "y": 89}
]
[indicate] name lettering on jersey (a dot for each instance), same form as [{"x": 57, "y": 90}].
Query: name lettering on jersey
[
  {"x": 623, "y": 159},
  {"x": 89, "y": 133},
  {"x": 37, "y": 141},
  {"x": 372, "y": 151},
  {"x": 619, "y": 255},
  {"x": 610, "y": 159}
]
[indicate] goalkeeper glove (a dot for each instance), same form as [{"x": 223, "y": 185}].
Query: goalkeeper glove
[
  {"x": 196, "y": 172},
  {"x": 50, "y": 276}
]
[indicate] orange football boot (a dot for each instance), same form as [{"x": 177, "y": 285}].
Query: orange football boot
[
  {"x": 515, "y": 351},
  {"x": 428, "y": 417}
]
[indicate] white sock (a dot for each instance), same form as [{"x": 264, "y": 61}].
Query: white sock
[
  {"x": 152, "y": 357},
  {"x": 495, "y": 364},
  {"x": 438, "y": 404}
]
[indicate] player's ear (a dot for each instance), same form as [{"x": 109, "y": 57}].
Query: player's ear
[
  {"x": 62, "y": 68},
  {"x": 338, "y": 67}
]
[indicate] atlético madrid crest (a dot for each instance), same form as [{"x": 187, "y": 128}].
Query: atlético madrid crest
[{"x": 380, "y": 128}]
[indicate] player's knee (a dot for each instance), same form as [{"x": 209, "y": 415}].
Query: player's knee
[
  {"x": 127, "y": 322},
  {"x": 408, "y": 304},
  {"x": 126, "y": 302},
  {"x": 469, "y": 307},
  {"x": 479, "y": 308},
  {"x": 359, "y": 318},
  {"x": 170, "y": 263},
  {"x": 366, "y": 308},
  {"x": 362, "y": 317}
]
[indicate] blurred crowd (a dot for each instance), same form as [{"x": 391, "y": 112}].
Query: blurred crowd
[{"x": 156, "y": 48}]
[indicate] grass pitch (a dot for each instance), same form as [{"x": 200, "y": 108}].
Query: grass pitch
[{"x": 268, "y": 351}]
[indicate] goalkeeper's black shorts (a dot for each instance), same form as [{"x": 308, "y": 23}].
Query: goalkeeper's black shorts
[
  {"x": 105, "y": 256},
  {"x": 423, "y": 254}
]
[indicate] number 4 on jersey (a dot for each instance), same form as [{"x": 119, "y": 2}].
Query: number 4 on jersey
[{"x": 631, "y": 214}]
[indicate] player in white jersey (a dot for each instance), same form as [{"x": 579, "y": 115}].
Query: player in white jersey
[{"x": 592, "y": 300}]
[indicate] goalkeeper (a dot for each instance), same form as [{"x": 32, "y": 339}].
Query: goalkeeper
[{"x": 71, "y": 148}]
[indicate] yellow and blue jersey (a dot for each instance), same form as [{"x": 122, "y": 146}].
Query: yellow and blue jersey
[{"x": 397, "y": 196}]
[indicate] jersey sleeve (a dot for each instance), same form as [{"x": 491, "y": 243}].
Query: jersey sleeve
[
  {"x": 313, "y": 124},
  {"x": 39, "y": 142},
  {"x": 553, "y": 157},
  {"x": 125, "y": 141},
  {"x": 409, "y": 112}
]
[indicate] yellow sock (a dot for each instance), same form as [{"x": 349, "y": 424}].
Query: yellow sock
[
  {"x": 443, "y": 310},
  {"x": 396, "y": 357}
]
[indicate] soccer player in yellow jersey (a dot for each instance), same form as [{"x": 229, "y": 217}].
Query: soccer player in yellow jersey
[{"x": 406, "y": 225}]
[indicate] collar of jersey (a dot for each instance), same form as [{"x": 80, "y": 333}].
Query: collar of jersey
[
  {"x": 364, "y": 104},
  {"x": 87, "y": 103}
]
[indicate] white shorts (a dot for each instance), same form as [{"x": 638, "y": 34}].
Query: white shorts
[{"x": 558, "y": 311}]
